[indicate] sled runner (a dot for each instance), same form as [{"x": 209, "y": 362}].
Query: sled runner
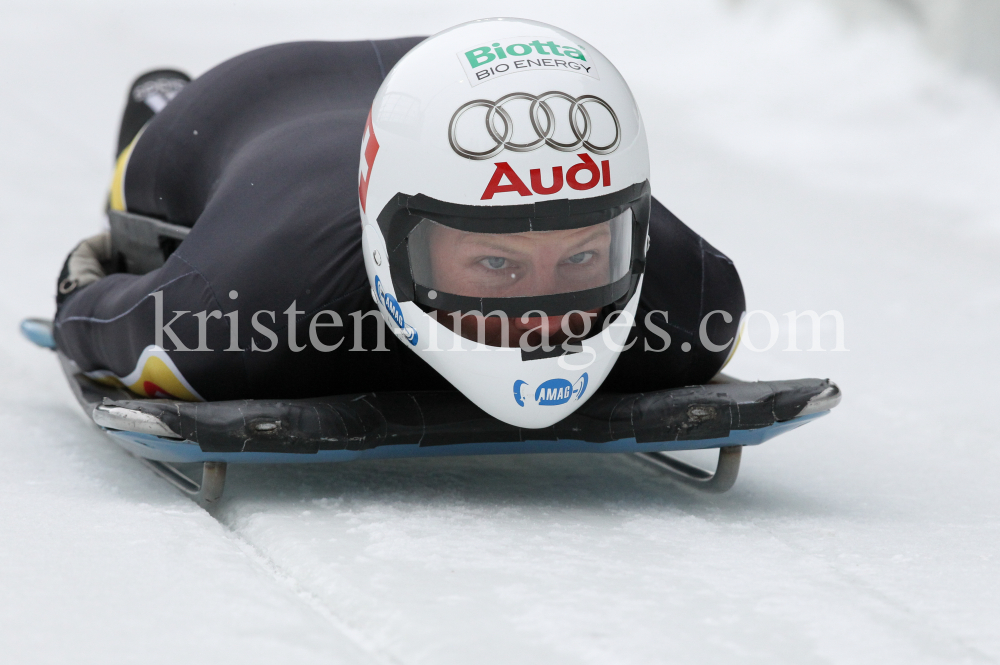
[{"x": 726, "y": 414}]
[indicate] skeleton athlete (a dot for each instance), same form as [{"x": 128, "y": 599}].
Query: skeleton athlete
[{"x": 268, "y": 295}]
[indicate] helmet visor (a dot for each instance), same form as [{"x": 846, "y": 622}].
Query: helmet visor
[{"x": 446, "y": 260}]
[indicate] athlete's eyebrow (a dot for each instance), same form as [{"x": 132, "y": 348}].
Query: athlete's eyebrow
[
  {"x": 482, "y": 241},
  {"x": 602, "y": 230}
]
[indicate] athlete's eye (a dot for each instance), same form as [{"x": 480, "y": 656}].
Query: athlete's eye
[
  {"x": 580, "y": 258},
  {"x": 494, "y": 262}
]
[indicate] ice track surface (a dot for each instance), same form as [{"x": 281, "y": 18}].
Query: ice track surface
[{"x": 840, "y": 167}]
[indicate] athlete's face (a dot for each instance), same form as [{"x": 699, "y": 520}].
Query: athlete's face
[{"x": 485, "y": 265}]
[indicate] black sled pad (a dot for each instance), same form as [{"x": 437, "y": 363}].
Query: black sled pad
[{"x": 433, "y": 423}]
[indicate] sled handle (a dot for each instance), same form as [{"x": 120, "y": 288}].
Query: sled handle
[
  {"x": 207, "y": 492},
  {"x": 131, "y": 420},
  {"x": 718, "y": 482},
  {"x": 826, "y": 400}
]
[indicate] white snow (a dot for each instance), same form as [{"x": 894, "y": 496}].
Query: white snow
[{"x": 840, "y": 166}]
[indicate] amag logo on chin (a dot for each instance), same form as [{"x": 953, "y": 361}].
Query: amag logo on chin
[{"x": 524, "y": 54}]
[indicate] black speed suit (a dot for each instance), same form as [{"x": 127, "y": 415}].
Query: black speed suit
[{"x": 260, "y": 157}]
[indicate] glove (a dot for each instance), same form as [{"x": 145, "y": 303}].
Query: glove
[{"x": 92, "y": 260}]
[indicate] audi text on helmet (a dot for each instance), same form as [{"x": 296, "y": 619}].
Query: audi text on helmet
[{"x": 580, "y": 177}]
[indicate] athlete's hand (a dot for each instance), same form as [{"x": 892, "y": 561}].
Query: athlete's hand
[{"x": 92, "y": 260}]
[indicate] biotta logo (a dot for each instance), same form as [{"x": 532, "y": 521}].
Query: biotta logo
[
  {"x": 395, "y": 312},
  {"x": 553, "y": 392},
  {"x": 522, "y": 122},
  {"x": 487, "y": 61}
]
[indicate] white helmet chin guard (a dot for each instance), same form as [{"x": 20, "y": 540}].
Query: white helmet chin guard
[{"x": 505, "y": 175}]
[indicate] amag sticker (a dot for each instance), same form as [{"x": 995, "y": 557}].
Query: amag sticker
[{"x": 524, "y": 54}]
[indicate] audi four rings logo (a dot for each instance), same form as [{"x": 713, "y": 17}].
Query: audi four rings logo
[{"x": 542, "y": 120}]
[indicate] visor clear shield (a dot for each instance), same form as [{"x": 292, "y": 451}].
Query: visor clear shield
[{"x": 520, "y": 265}]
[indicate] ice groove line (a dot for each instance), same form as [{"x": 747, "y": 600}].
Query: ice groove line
[{"x": 283, "y": 577}]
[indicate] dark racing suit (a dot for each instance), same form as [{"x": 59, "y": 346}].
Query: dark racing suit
[{"x": 259, "y": 156}]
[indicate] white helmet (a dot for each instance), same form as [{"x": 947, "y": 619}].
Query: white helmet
[{"x": 504, "y": 172}]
